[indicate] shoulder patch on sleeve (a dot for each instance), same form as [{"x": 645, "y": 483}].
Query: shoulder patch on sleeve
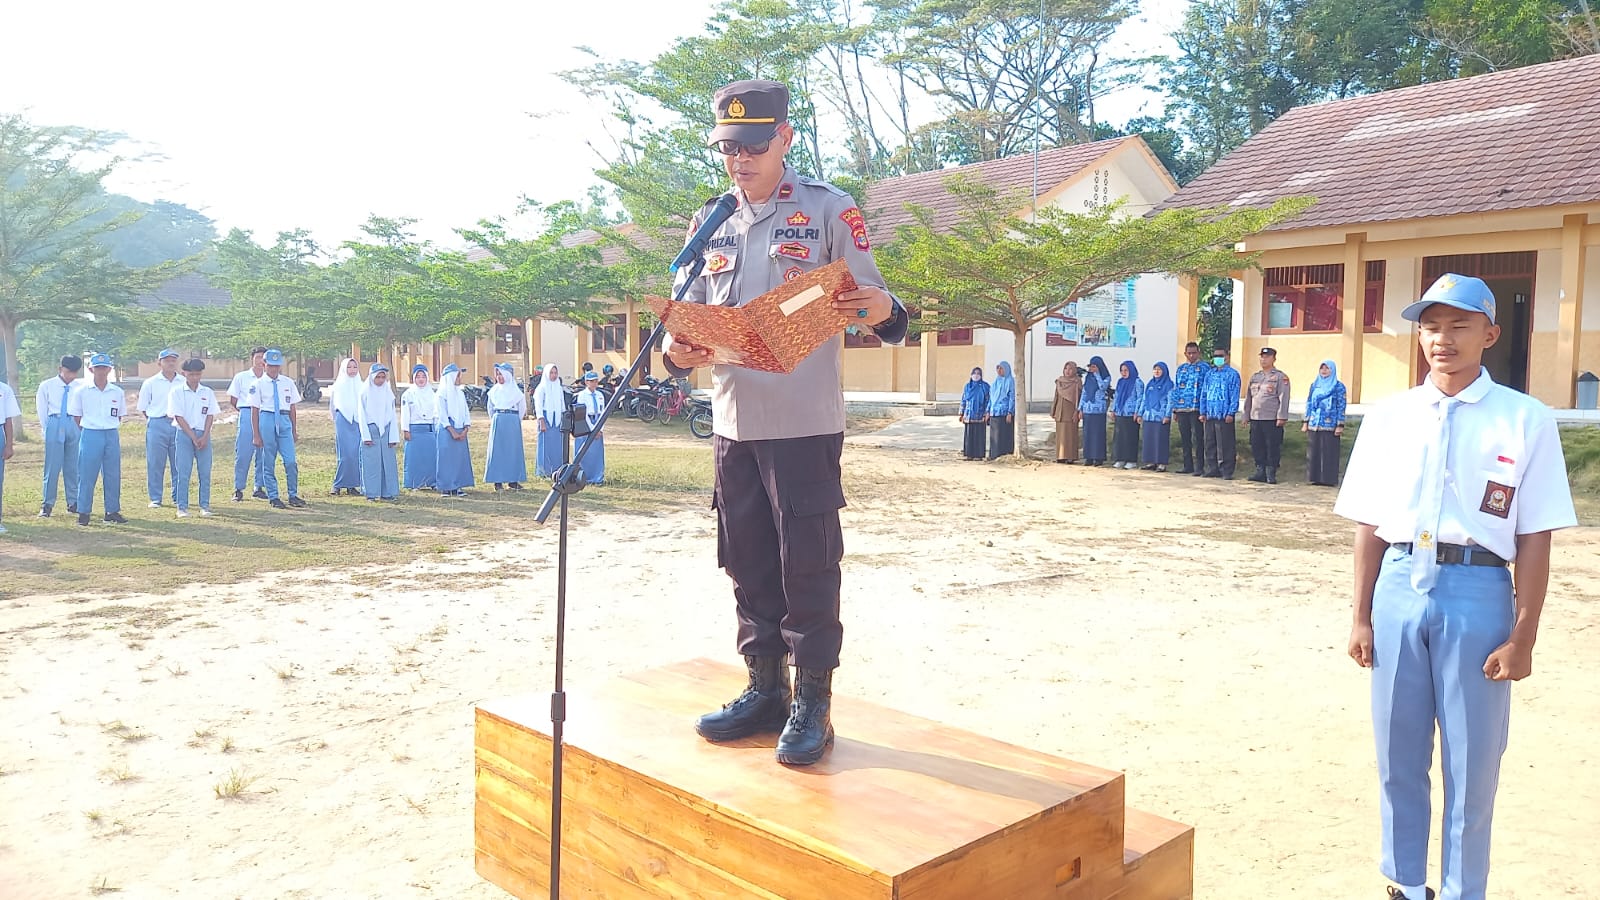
[{"x": 858, "y": 227}]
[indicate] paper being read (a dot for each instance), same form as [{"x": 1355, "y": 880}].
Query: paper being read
[{"x": 799, "y": 301}]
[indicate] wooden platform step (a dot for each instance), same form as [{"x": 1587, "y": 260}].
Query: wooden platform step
[{"x": 901, "y": 807}]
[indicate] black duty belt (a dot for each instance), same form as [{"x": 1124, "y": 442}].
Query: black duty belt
[{"x": 1460, "y": 555}]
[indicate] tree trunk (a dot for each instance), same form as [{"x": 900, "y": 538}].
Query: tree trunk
[
  {"x": 1019, "y": 371},
  {"x": 8, "y": 340}
]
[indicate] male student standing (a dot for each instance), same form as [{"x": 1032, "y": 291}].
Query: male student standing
[
  {"x": 194, "y": 409},
  {"x": 246, "y": 458},
  {"x": 98, "y": 408},
  {"x": 159, "y": 443},
  {"x": 1449, "y": 483},
  {"x": 10, "y": 420},
  {"x": 60, "y": 435},
  {"x": 277, "y": 429}
]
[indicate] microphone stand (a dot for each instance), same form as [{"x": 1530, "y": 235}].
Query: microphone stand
[{"x": 567, "y": 481}]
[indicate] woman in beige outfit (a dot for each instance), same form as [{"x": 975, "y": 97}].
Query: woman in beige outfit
[{"x": 1064, "y": 409}]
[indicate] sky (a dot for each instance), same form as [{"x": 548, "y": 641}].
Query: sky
[{"x": 317, "y": 113}]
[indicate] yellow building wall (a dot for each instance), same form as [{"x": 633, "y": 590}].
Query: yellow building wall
[
  {"x": 869, "y": 369},
  {"x": 955, "y": 365},
  {"x": 1299, "y": 356}
]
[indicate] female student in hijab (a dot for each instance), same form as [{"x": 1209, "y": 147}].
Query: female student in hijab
[
  {"x": 975, "y": 415},
  {"x": 1002, "y": 412},
  {"x": 549, "y": 402},
  {"x": 380, "y": 434},
  {"x": 1064, "y": 409},
  {"x": 419, "y": 414},
  {"x": 1125, "y": 410},
  {"x": 1093, "y": 405},
  {"x": 589, "y": 403},
  {"x": 454, "y": 455},
  {"x": 1324, "y": 425},
  {"x": 507, "y": 461},
  {"x": 344, "y": 407},
  {"x": 1155, "y": 419}
]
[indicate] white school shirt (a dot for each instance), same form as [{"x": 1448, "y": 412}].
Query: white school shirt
[
  {"x": 592, "y": 402},
  {"x": 1505, "y": 474},
  {"x": 102, "y": 410},
  {"x": 288, "y": 393},
  {"x": 155, "y": 394},
  {"x": 49, "y": 402},
  {"x": 194, "y": 405},
  {"x": 240, "y": 391},
  {"x": 8, "y": 405},
  {"x": 418, "y": 406}
]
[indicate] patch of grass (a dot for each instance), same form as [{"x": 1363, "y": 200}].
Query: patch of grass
[
  {"x": 177, "y": 671},
  {"x": 120, "y": 774},
  {"x": 234, "y": 785},
  {"x": 226, "y": 745},
  {"x": 124, "y": 732},
  {"x": 285, "y": 672},
  {"x": 93, "y": 815}
]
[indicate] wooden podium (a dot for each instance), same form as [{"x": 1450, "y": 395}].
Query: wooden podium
[{"x": 900, "y": 807}]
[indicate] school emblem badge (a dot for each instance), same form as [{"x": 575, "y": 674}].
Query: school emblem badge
[
  {"x": 1497, "y": 499},
  {"x": 1425, "y": 540},
  {"x": 799, "y": 219}
]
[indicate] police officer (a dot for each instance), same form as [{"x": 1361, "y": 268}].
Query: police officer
[
  {"x": 778, "y": 438},
  {"x": 1448, "y": 482},
  {"x": 1266, "y": 408}
]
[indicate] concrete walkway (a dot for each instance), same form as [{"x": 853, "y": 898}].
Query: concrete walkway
[{"x": 941, "y": 433}]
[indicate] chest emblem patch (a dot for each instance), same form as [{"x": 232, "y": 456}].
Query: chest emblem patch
[
  {"x": 1497, "y": 499},
  {"x": 793, "y": 250},
  {"x": 718, "y": 263},
  {"x": 799, "y": 218},
  {"x": 791, "y": 273},
  {"x": 785, "y": 191}
]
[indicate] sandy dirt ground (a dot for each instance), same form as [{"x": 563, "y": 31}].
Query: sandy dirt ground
[{"x": 309, "y": 734}]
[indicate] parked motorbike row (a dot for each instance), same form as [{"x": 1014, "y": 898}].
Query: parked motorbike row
[{"x": 657, "y": 400}]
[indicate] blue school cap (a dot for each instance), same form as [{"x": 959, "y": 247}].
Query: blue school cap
[
  {"x": 1460, "y": 291},
  {"x": 376, "y": 368},
  {"x": 449, "y": 369},
  {"x": 169, "y": 352},
  {"x": 100, "y": 360},
  {"x": 419, "y": 367},
  {"x": 274, "y": 357},
  {"x": 591, "y": 376}
]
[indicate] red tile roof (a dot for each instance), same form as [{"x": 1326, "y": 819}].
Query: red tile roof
[
  {"x": 1520, "y": 139},
  {"x": 885, "y": 203}
]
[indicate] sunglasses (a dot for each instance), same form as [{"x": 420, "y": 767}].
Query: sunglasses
[{"x": 733, "y": 148}]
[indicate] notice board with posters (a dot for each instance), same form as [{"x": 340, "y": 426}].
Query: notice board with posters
[{"x": 1106, "y": 318}]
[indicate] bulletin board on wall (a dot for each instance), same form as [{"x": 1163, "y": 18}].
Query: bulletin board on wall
[{"x": 1106, "y": 318}]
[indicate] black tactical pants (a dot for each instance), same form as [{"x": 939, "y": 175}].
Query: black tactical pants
[{"x": 1266, "y": 442}]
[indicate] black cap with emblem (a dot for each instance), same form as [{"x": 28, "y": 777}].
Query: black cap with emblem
[{"x": 749, "y": 111}]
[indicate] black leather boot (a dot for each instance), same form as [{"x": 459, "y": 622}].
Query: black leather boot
[
  {"x": 1260, "y": 475},
  {"x": 1272, "y": 474},
  {"x": 764, "y": 705},
  {"x": 809, "y": 730}
]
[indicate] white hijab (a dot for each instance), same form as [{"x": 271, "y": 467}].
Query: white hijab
[
  {"x": 550, "y": 399},
  {"x": 504, "y": 394},
  {"x": 346, "y": 399},
  {"x": 452, "y": 402},
  {"x": 422, "y": 396},
  {"x": 377, "y": 404}
]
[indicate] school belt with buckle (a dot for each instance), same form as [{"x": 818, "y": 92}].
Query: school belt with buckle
[{"x": 1460, "y": 555}]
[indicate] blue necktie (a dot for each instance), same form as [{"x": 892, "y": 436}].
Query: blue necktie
[
  {"x": 1430, "y": 502},
  {"x": 61, "y": 432},
  {"x": 275, "y": 409}
]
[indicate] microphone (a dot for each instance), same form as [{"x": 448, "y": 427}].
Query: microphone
[{"x": 726, "y": 204}]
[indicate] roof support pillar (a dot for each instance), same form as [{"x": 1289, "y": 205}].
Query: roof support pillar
[
  {"x": 1353, "y": 333},
  {"x": 1569, "y": 328}
]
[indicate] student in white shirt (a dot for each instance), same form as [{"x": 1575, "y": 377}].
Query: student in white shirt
[
  {"x": 159, "y": 435},
  {"x": 246, "y": 458},
  {"x": 419, "y": 411},
  {"x": 1448, "y": 483},
  {"x": 98, "y": 408},
  {"x": 277, "y": 429},
  {"x": 60, "y": 435},
  {"x": 589, "y": 404},
  {"x": 344, "y": 408},
  {"x": 10, "y": 420},
  {"x": 380, "y": 435},
  {"x": 194, "y": 410}
]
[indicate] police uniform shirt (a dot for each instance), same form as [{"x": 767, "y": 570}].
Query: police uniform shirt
[
  {"x": 101, "y": 409},
  {"x": 194, "y": 405},
  {"x": 288, "y": 393},
  {"x": 155, "y": 395},
  {"x": 52, "y": 397},
  {"x": 1505, "y": 474},
  {"x": 1268, "y": 397},
  {"x": 240, "y": 391},
  {"x": 804, "y": 225}
]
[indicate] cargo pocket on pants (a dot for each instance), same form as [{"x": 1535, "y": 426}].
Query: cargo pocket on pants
[{"x": 812, "y": 538}]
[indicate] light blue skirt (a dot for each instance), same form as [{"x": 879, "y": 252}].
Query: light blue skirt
[
  {"x": 455, "y": 460},
  {"x": 422, "y": 458},
  {"x": 347, "y": 451},
  {"x": 379, "y": 478},
  {"x": 594, "y": 462},
  {"x": 507, "y": 460},
  {"x": 548, "y": 457}
]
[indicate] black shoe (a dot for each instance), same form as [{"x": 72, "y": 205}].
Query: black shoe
[
  {"x": 1186, "y": 470},
  {"x": 116, "y": 519},
  {"x": 498, "y": 487},
  {"x": 275, "y": 503},
  {"x": 72, "y": 508},
  {"x": 238, "y": 496},
  {"x": 1260, "y": 475},
  {"x": 260, "y": 494},
  {"x": 44, "y": 512},
  {"x": 1212, "y": 474},
  {"x": 1198, "y": 473},
  {"x": 83, "y": 518},
  {"x": 1228, "y": 477},
  {"x": 1394, "y": 893},
  {"x": 809, "y": 730},
  {"x": 515, "y": 485},
  {"x": 764, "y": 705},
  {"x": 297, "y": 503},
  {"x": 1272, "y": 474}
]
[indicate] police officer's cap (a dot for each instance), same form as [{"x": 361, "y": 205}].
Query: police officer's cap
[
  {"x": 274, "y": 357},
  {"x": 1268, "y": 351},
  {"x": 1460, "y": 291},
  {"x": 749, "y": 111}
]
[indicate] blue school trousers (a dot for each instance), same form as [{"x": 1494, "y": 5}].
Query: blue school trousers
[
  {"x": 245, "y": 455},
  {"x": 99, "y": 457},
  {"x": 61, "y": 459},
  {"x": 277, "y": 439},
  {"x": 190, "y": 460},
  {"x": 160, "y": 455},
  {"x": 1428, "y": 652}
]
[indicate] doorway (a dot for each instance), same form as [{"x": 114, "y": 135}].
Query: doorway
[{"x": 1511, "y": 277}]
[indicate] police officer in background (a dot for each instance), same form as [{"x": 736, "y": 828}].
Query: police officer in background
[
  {"x": 779, "y": 437},
  {"x": 1266, "y": 408}
]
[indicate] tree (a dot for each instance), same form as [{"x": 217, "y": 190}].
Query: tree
[
  {"x": 55, "y": 266},
  {"x": 993, "y": 269}
]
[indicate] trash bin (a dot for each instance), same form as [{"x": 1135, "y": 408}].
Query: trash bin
[{"x": 1588, "y": 391}]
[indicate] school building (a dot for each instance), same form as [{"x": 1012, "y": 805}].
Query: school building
[{"x": 1496, "y": 176}]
